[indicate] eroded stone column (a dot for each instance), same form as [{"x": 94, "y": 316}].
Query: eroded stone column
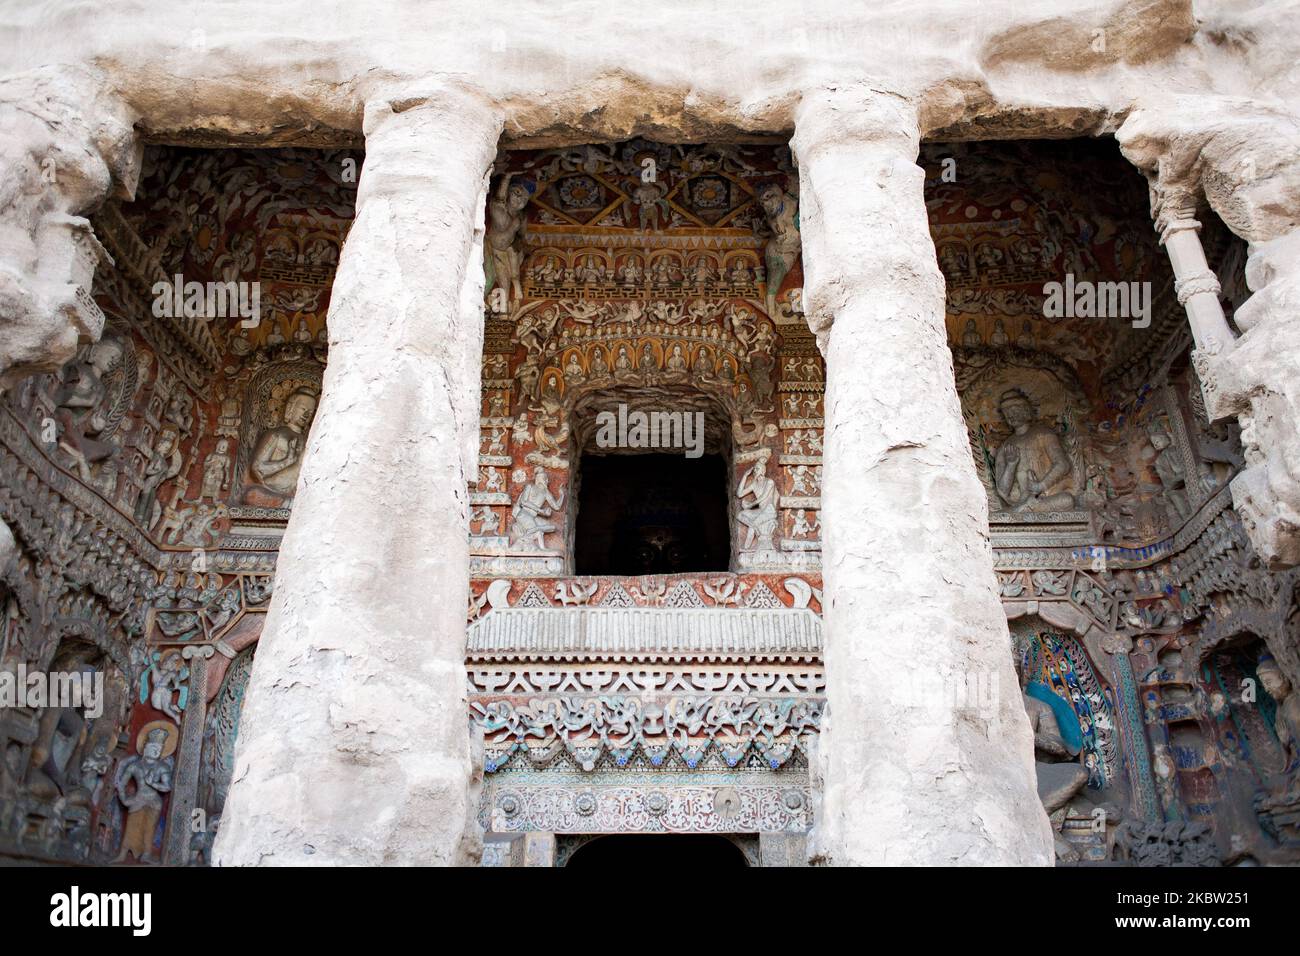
[
  {"x": 353, "y": 745},
  {"x": 1264, "y": 369},
  {"x": 927, "y": 756},
  {"x": 65, "y": 142}
]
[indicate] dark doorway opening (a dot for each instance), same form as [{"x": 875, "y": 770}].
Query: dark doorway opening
[
  {"x": 692, "y": 850},
  {"x": 652, "y": 514}
]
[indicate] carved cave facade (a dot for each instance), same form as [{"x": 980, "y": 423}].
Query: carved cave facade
[{"x": 148, "y": 483}]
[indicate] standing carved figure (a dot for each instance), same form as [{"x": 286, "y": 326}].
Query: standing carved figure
[
  {"x": 782, "y": 249},
  {"x": 506, "y": 225},
  {"x": 141, "y": 781},
  {"x": 758, "y": 515},
  {"x": 216, "y": 471},
  {"x": 164, "y": 464},
  {"x": 164, "y": 684}
]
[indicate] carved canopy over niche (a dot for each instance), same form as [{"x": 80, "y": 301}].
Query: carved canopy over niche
[{"x": 658, "y": 278}]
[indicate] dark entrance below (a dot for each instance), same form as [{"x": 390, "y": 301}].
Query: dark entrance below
[
  {"x": 691, "y": 850},
  {"x": 651, "y": 514}
]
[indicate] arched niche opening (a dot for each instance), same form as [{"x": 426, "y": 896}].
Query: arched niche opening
[{"x": 653, "y": 481}]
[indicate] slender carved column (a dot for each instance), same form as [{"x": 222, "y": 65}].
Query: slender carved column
[
  {"x": 1197, "y": 288},
  {"x": 353, "y": 745},
  {"x": 185, "y": 784},
  {"x": 927, "y": 755}
]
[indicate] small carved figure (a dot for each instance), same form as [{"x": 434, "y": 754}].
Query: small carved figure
[
  {"x": 803, "y": 481},
  {"x": 573, "y": 373},
  {"x": 647, "y": 362},
  {"x": 216, "y": 472},
  {"x": 801, "y": 527},
  {"x": 198, "y": 530},
  {"x": 631, "y": 272},
  {"x": 1169, "y": 468},
  {"x": 488, "y": 521},
  {"x": 164, "y": 680},
  {"x": 623, "y": 365},
  {"x": 1286, "y": 723},
  {"x": 164, "y": 463},
  {"x": 172, "y": 521},
  {"x": 590, "y": 272},
  {"x": 533, "y": 507},
  {"x": 703, "y": 366}
]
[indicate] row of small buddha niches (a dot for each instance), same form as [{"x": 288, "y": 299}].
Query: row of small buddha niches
[{"x": 644, "y": 615}]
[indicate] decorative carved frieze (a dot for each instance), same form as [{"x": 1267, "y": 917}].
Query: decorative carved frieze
[{"x": 645, "y": 634}]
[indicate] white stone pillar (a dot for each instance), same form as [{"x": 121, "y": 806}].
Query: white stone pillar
[
  {"x": 1197, "y": 288},
  {"x": 354, "y": 743},
  {"x": 912, "y": 772}
]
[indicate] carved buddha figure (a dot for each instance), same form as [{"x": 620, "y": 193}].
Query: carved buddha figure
[
  {"x": 573, "y": 373},
  {"x": 623, "y": 364},
  {"x": 277, "y": 456},
  {"x": 703, "y": 366},
  {"x": 647, "y": 362},
  {"x": 1286, "y": 723},
  {"x": 677, "y": 362},
  {"x": 1032, "y": 469}
]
